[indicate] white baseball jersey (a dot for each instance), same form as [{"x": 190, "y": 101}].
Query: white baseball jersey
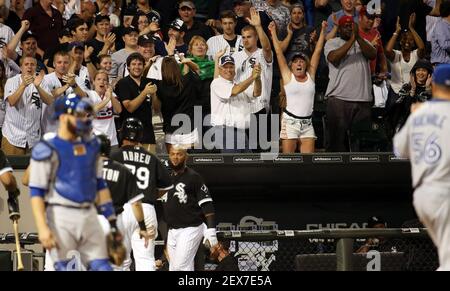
[
  {"x": 52, "y": 82},
  {"x": 155, "y": 69},
  {"x": 425, "y": 140},
  {"x": 22, "y": 122},
  {"x": 84, "y": 75},
  {"x": 244, "y": 63},
  {"x": 104, "y": 120},
  {"x": 218, "y": 42}
]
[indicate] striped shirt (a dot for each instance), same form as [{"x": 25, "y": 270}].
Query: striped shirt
[
  {"x": 52, "y": 82},
  {"x": 104, "y": 119},
  {"x": 22, "y": 122},
  {"x": 6, "y": 33},
  {"x": 244, "y": 63},
  {"x": 218, "y": 42}
]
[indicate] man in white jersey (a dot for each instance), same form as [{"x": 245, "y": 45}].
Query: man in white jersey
[
  {"x": 24, "y": 96},
  {"x": 59, "y": 83},
  {"x": 246, "y": 59},
  {"x": 425, "y": 140},
  {"x": 229, "y": 40}
]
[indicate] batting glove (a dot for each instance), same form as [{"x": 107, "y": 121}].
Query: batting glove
[{"x": 210, "y": 238}]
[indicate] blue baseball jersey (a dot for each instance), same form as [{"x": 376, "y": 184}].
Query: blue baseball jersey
[{"x": 66, "y": 172}]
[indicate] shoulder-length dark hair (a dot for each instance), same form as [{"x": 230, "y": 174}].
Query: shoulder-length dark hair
[{"x": 171, "y": 73}]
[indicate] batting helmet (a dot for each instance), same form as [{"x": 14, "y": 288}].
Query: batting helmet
[
  {"x": 132, "y": 129},
  {"x": 66, "y": 104},
  {"x": 105, "y": 145}
]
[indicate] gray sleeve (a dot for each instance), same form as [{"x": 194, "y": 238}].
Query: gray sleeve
[
  {"x": 330, "y": 46},
  {"x": 40, "y": 173},
  {"x": 401, "y": 141}
]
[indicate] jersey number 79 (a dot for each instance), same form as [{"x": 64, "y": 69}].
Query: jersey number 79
[{"x": 142, "y": 174}]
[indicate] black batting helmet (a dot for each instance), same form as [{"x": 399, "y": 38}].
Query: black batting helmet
[
  {"x": 132, "y": 130},
  {"x": 105, "y": 145}
]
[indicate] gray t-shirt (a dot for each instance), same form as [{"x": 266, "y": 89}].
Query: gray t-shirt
[
  {"x": 425, "y": 140},
  {"x": 119, "y": 62},
  {"x": 350, "y": 80}
]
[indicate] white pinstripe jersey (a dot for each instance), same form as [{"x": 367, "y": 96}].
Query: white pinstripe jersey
[
  {"x": 52, "y": 82},
  {"x": 218, "y": 42},
  {"x": 425, "y": 140},
  {"x": 244, "y": 63},
  {"x": 22, "y": 121}
]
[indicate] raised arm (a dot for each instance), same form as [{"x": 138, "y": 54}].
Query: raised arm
[
  {"x": 368, "y": 50},
  {"x": 255, "y": 20},
  {"x": 218, "y": 55},
  {"x": 284, "y": 68},
  {"x": 315, "y": 59},
  {"x": 12, "y": 44},
  {"x": 334, "y": 29},
  {"x": 417, "y": 39},
  {"x": 285, "y": 43},
  {"x": 389, "y": 49}
]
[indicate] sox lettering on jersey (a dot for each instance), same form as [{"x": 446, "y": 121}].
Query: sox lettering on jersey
[{"x": 181, "y": 193}]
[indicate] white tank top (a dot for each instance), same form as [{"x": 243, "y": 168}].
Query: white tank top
[{"x": 300, "y": 96}]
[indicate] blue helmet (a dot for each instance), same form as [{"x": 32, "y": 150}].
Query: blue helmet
[{"x": 66, "y": 104}]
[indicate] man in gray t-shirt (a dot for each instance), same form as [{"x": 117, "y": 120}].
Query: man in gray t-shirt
[{"x": 349, "y": 89}]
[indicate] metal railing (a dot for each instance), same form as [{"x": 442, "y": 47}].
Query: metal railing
[{"x": 408, "y": 249}]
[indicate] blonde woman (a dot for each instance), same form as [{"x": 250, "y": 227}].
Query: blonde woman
[{"x": 105, "y": 106}]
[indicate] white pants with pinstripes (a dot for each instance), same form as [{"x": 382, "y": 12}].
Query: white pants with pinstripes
[{"x": 182, "y": 245}]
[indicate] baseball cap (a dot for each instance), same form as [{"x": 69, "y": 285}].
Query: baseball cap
[
  {"x": 130, "y": 29},
  {"x": 27, "y": 35},
  {"x": 189, "y": 4},
  {"x": 441, "y": 75},
  {"x": 374, "y": 220},
  {"x": 75, "y": 44},
  {"x": 145, "y": 39},
  {"x": 422, "y": 64},
  {"x": 227, "y": 59},
  {"x": 299, "y": 55},
  {"x": 100, "y": 18},
  {"x": 178, "y": 24},
  {"x": 345, "y": 19}
]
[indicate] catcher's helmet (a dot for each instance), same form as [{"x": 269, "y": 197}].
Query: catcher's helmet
[
  {"x": 132, "y": 129},
  {"x": 105, "y": 145},
  {"x": 72, "y": 104}
]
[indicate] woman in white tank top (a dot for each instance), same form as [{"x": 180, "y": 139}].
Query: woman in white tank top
[{"x": 298, "y": 77}]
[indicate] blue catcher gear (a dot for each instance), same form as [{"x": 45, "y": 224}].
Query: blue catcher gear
[{"x": 66, "y": 104}]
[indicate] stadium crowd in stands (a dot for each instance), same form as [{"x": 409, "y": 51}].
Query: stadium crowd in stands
[{"x": 324, "y": 75}]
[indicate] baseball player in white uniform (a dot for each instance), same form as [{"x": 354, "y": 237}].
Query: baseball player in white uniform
[{"x": 425, "y": 140}]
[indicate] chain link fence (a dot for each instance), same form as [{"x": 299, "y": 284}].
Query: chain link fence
[{"x": 364, "y": 250}]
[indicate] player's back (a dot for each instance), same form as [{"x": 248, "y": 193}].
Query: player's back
[
  {"x": 147, "y": 169},
  {"x": 428, "y": 134},
  {"x": 121, "y": 183}
]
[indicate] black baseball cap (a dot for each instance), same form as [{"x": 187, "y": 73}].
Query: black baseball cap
[
  {"x": 145, "y": 39},
  {"x": 178, "y": 24},
  {"x": 75, "y": 44},
  {"x": 27, "y": 35},
  {"x": 100, "y": 18},
  {"x": 130, "y": 29},
  {"x": 227, "y": 59},
  {"x": 374, "y": 220},
  {"x": 299, "y": 55}
]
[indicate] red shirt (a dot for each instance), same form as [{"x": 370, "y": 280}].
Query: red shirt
[
  {"x": 371, "y": 35},
  {"x": 46, "y": 28}
]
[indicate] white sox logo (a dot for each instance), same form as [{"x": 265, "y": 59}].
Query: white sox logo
[{"x": 182, "y": 197}]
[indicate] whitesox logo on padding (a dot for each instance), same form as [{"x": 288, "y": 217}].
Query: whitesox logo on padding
[{"x": 181, "y": 193}]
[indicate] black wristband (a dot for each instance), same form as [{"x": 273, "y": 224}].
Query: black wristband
[
  {"x": 113, "y": 225},
  {"x": 142, "y": 225}
]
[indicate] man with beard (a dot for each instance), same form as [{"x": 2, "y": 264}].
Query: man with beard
[
  {"x": 137, "y": 94},
  {"x": 187, "y": 207},
  {"x": 65, "y": 183},
  {"x": 349, "y": 90},
  {"x": 152, "y": 180}
]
